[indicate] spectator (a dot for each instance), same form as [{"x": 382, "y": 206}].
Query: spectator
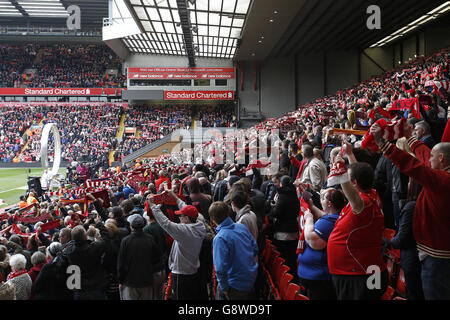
[
  {"x": 38, "y": 259},
  {"x": 159, "y": 271},
  {"x": 314, "y": 171},
  {"x": 423, "y": 133},
  {"x": 429, "y": 215},
  {"x": 313, "y": 269},
  {"x": 19, "y": 277},
  {"x": 235, "y": 256},
  {"x": 354, "y": 246},
  {"x": 51, "y": 283},
  {"x": 404, "y": 240},
  {"x": 284, "y": 214},
  {"x": 88, "y": 257},
  {"x": 135, "y": 270},
  {"x": 196, "y": 195},
  {"x": 188, "y": 237},
  {"x": 240, "y": 205}
]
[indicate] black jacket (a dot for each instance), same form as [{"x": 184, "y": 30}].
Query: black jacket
[
  {"x": 404, "y": 238},
  {"x": 220, "y": 190},
  {"x": 285, "y": 211},
  {"x": 285, "y": 161},
  {"x": 138, "y": 255},
  {"x": 258, "y": 205},
  {"x": 89, "y": 257},
  {"x": 51, "y": 284}
]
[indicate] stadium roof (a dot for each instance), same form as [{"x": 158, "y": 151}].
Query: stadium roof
[
  {"x": 46, "y": 13},
  {"x": 211, "y": 28}
]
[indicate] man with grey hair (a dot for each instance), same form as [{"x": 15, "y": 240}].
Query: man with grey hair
[
  {"x": 431, "y": 223},
  {"x": 88, "y": 256},
  {"x": 315, "y": 172},
  {"x": 422, "y": 132}
]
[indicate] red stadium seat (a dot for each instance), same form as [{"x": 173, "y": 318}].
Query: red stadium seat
[
  {"x": 268, "y": 252},
  {"x": 275, "y": 265},
  {"x": 284, "y": 284},
  {"x": 280, "y": 271},
  {"x": 388, "y": 294},
  {"x": 401, "y": 283},
  {"x": 271, "y": 291},
  {"x": 299, "y": 296},
  {"x": 291, "y": 291}
]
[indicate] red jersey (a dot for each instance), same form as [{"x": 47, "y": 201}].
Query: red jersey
[{"x": 356, "y": 240}]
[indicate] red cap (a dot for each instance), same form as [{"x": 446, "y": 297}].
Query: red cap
[{"x": 189, "y": 211}]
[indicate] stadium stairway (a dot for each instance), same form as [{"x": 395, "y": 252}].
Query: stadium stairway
[
  {"x": 25, "y": 147},
  {"x": 39, "y": 56},
  {"x": 194, "y": 122},
  {"x": 121, "y": 130},
  {"x": 111, "y": 156}
]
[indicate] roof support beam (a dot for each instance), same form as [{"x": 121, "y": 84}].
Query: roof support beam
[
  {"x": 187, "y": 30},
  {"x": 19, "y": 7}
]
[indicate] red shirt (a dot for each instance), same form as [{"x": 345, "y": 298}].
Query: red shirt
[
  {"x": 161, "y": 180},
  {"x": 356, "y": 240},
  {"x": 431, "y": 224}
]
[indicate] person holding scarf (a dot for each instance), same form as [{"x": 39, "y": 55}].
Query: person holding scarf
[{"x": 313, "y": 269}]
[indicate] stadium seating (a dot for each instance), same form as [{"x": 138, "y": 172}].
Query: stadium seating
[{"x": 59, "y": 65}]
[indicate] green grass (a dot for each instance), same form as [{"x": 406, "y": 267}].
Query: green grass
[{"x": 13, "y": 182}]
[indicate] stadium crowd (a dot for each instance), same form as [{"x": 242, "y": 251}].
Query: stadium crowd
[
  {"x": 217, "y": 116},
  {"x": 87, "y": 132},
  {"x": 152, "y": 123},
  {"x": 59, "y": 65},
  {"x": 350, "y": 165}
]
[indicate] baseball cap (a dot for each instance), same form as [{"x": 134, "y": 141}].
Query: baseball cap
[
  {"x": 136, "y": 220},
  {"x": 189, "y": 211}
]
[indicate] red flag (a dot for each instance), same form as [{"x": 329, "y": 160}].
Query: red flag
[
  {"x": 50, "y": 225},
  {"x": 103, "y": 194},
  {"x": 164, "y": 198},
  {"x": 411, "y": 104}
]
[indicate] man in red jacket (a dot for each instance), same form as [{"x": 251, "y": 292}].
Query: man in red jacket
[
  {"x": 162, "y": 178},
  {"x": 432, "y": 215}
]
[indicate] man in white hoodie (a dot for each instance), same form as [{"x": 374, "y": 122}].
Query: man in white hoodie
[
  {"x": 240, "y": 205},
  {"x": 184, "y": 259}
]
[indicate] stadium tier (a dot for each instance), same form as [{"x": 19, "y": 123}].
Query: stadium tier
[{"x": 313, "y": 159}]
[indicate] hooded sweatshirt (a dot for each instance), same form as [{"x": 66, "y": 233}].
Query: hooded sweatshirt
[
  {"x": 248, "y": 218},
  {"x": 188, "y": 239}
]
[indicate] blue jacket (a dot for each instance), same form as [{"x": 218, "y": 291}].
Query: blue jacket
[
  {"x": 235, "y": 256},
  {"x": 127, "y": 191}
]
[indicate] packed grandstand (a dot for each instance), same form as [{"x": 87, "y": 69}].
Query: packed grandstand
[
  {"x": 343, "y": 198},
  {"x": 42, "y": 235}
]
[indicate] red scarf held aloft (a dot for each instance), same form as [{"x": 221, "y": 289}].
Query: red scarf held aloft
[
  {"x": 301, "y": 225},
  {"x": 50, "y": 225}
]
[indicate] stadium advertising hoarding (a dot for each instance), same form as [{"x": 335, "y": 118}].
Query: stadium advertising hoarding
[
  {"x": 62, "y": 104},
  {"x": 181, "y": 73},
  {"x": 198, "y": 95},
  {"x": 60, "y": 91}
]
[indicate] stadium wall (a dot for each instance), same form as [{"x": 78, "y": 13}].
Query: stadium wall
[
  {"x": 248, "y": 96},
  {"x": 29, "y": 164},
  {"x": 278, "y": 86}
]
